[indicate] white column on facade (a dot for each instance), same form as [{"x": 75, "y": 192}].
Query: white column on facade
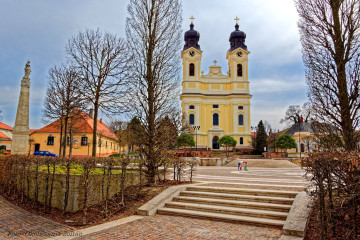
[
  {"x": 197, "y": 116},
  {"x": 246, "y": 118},
  {"x": 235, "y": 119}
]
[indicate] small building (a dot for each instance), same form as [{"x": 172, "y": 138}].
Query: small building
[
  {"x": 5, "y": 135},
  {"x": 48, "y": 138},
  {"x": 304, "y": 135}
]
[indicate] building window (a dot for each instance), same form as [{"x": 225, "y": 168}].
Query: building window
[
  {"x": 192, "y": 107},
  {"x": 215, "y": 106},
  {"x": 111, "y": 145},
  {"x": 241, "y": 119},
  {"x": 215, "y": 119},
  {"x": 191, "y": 69},
  {"x": 105, "y": 144},
  {"x": 99, "y": 142},
  {"x": 241, "y": 140},
  {"x": 240, "y": 107},
  {"x": 84, "y": 141},
  {"x": 50, "y": 140},
  {"x": 68, "y": 140},
  {"x": 239, "y": 70},
  {"x": 191, "y": 119}
]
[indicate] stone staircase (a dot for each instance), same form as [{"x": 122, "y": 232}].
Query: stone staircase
[{"x": 265, "y": 206}]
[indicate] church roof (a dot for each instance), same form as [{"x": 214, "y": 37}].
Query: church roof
[
  {"x": 301, "y": 127},
  {"x": 4, "y": 126},
  {"x": 191, "y": 38},
  {"x": 237, "y": 39},
  {"x": 85, "y": 124}
]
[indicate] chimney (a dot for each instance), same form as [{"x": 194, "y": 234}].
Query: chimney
[
  {"x": 100, "y": 120},
  {"x": 91, "y": 113}
]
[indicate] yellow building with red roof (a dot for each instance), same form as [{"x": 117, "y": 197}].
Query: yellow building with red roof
[
  {"x": 48, "y": 138},
  {"x": 5, "y": 135}
]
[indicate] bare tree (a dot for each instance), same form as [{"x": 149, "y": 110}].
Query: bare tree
[
  {"x": 295, "y": 113},
  {"x": 153, "y": 30},
  {"x": 102, "y": 59},
  {"x": 63, "y": 97},
  {"x": 330, "y": 37},
  {"x": 119, "y": 128}
]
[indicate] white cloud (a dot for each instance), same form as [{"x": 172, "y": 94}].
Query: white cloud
[{"x": 277, "y": 85}]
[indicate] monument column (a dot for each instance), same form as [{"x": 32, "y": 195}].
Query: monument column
[{"x": 20, "y": 138}]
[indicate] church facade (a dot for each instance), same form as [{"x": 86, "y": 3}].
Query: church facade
[{"x": 216, "y": 104}]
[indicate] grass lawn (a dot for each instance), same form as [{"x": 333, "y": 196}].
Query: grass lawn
[{"x": 76, "y": 169}]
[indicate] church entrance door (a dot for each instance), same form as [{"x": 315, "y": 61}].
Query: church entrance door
[
  {"x": 215, "y": 144},
  {"x": 37, "y": 147}
]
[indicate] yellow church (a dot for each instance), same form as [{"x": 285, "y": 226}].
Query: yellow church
[{"x": 216, "y": 104}]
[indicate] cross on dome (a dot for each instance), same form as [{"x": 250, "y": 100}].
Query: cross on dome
[
  {"x": 214, "y": 62},
  {"x": 236, "y": 19},
  {"x": 192, "y": 19}
]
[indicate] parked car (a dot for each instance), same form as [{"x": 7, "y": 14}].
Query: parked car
[
  {"x": 7, "y": 152},
  {"x": 45, "y": 153}
]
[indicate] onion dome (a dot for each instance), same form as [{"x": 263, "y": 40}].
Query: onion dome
[
  {"x": 191, "y": 38},
  {"x": 237, "y": 39}
]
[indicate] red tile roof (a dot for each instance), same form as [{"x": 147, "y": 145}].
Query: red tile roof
[
  {"x": 33, "y": 130},
  {"x": 4, "y": 126},
  {"x": 83, "y": 125},
  {"x": 4, "y": 137}
]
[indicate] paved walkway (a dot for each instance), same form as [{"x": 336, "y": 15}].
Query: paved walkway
[
  {"x": 16, "y": 223},
  {"x": 286, "y": 176},
  {"x": 171, "y": 227}
]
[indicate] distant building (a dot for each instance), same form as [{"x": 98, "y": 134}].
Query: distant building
[
  {"x": 5, "y": 135},
  {"x": 217, "y": 103},
  {"x": 48, "y": 138},
  {"x": 304, "y": 135}
]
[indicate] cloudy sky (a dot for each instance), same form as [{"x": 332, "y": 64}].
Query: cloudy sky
[{"x": 38, "y": 30}]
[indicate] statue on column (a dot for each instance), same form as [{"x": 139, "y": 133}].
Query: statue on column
[{"x": 20, "y": 137}]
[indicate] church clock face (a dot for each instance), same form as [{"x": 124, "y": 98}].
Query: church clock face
[
  {"x": 239, "y": 53},
  {"x": 192, "y": 53}
]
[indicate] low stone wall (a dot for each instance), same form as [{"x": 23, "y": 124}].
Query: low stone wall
[
  {"x": 96, "y": 188},
  {"x": 275, "y": 155},
  {"x": 212, "y": 161}
]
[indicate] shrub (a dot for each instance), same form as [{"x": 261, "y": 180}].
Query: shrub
[
  {"x": 285, "y": 141},
  {"x": 227, "y": 142}
]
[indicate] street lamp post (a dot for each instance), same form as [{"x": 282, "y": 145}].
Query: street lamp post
[{"x": 196, "y": 128}]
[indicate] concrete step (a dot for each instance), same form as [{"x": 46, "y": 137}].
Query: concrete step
[
  {"x": 296, "y": 188},
  {"x": 257, "y": 192},
  {"x": 221, "y": 217},
  {"x": 234, "y": 203},
  {"x": 240, "y": 197},
  {"x": 228, "y": 210}
]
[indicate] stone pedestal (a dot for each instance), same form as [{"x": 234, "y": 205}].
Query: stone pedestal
[{"x": 20, "y": 138}]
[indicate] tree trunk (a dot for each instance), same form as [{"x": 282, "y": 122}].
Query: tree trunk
[
  {"x": 71, "y": 142},
  {"x": 61, "y": 136},
  {"x": 96, "y": 110},
  {"x": 65, "y": 135}
]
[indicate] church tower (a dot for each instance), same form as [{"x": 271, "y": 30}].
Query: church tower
[{"x": 214, "y": 103}]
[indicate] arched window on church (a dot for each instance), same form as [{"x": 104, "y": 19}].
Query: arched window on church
[
  {"x": 239, "y": 70},
  {"x": 191, "y": 119},
  {"x": 241, "y": 119},
  {"x": 192, "y": 69},
  {"x": 215, "y": 119}
]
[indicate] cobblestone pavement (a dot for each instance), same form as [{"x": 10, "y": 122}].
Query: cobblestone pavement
[
  {"x": 172, "y": 227},
  {"x": 16, "y": 223}
]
